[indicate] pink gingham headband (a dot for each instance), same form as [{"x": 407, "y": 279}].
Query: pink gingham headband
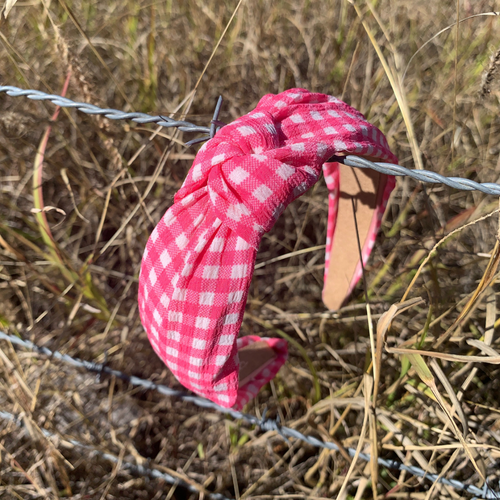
[{"x": 199, "y": 261}]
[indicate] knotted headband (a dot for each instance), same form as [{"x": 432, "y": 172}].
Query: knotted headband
[{"x": 199, "y": 260}]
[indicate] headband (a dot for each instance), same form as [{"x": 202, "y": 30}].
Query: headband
[{"x": 199, "y": 260}]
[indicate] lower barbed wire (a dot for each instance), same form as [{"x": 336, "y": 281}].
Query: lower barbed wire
[{"x": 264, "y": 423}]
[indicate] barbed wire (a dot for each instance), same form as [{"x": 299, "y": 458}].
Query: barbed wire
[
  {"x": 112, "y": 114},
  {"x": 263, "y": 423},
  {"x": 420, "y": 175},
  {"x": 136, "y": 468},
  {"x": 185, "y": 126}
]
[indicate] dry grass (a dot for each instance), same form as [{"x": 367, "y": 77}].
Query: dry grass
[{"x": 76, "y": 291}]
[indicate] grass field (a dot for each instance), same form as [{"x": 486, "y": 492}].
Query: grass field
[{"x": 68, "y": 277}]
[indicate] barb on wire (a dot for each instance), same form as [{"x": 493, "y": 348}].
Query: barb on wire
[
  {"x": 135, "y": 468},
  {"x": 419, "y": 175},
  {"x": 215, "y": 125},
  {"x": 264, "y": 423},
  {"x": 271, "y": 424},
  {"x": 112, "y": 114}
]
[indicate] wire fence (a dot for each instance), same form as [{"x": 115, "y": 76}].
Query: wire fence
[
  {"x": 420, "y": 175},
  {"x": 264, "y": 424},
  {"x": 116, "y": 114},
  {"x": 185, "y": 126}
]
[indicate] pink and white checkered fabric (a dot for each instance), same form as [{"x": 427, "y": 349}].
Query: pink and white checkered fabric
[{"x": 199, "y": 260}]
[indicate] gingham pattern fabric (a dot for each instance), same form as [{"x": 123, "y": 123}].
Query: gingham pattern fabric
[{"x": 199, "y": 261}]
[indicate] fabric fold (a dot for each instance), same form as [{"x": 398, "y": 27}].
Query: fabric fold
[{"x": 199, "y": 261}]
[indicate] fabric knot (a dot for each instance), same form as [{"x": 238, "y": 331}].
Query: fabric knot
[
  {"x": 199, "y": 260},
  {"x": 254, "y": 167}
]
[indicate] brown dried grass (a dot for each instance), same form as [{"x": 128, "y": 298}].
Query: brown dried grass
[{"x": 148, "y": 57}]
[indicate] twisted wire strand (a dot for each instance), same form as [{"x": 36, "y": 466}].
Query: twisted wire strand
[
  {"x": 265, "y": 424},
  {"x": 112, "y": 114},
  {"x": 185, "y": 126},
  {"x": 135, "y": 468},
  {"x": 419, "y": 175}
]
